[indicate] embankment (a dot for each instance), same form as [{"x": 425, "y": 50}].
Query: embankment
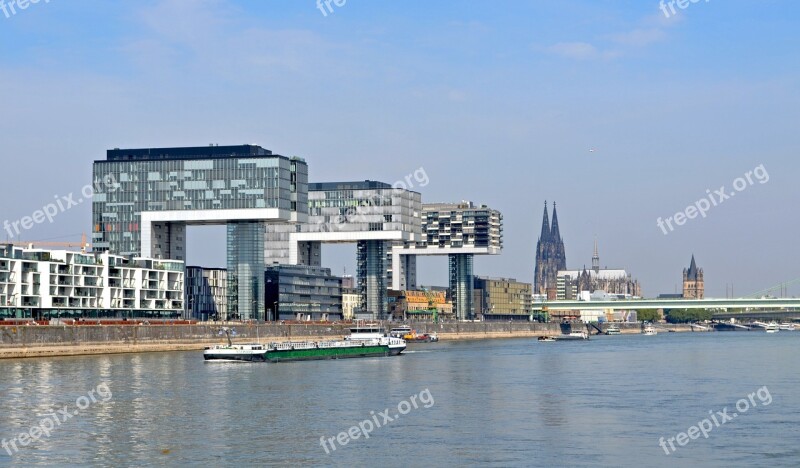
[{"x": 41, "y": 341}]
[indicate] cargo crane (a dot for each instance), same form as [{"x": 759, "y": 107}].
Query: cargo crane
[{"x": 84, "y": 245}]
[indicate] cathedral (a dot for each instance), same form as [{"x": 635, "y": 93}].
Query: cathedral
[
  {"x": 550, "y": 257},
  {"x": 555, "y": 282},
  {"x": 613, "y": 282}
]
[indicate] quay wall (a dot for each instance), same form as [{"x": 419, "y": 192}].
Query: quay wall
[{"x": 36, "y": 341}]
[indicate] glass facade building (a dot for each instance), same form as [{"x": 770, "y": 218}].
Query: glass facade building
[
  {"x": 206, "y": 293},
  {"x": 301, "y": 292},
  {"x": 503, "y": 299},
  {"x": 368, "y": 213},
  {"x": 146, "y": 198}
]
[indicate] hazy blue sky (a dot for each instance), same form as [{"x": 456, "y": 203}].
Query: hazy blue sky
[{"x": 500, "y": 102}]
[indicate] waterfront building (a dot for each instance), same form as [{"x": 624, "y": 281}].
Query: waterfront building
[
  {"x": 206, "y": 294},
  {"x": 302, "y": 292},
  {"x": 370, "y": 214},
  {"x": 42, "y": 284},
  {"x": 551, "y": 257},
  {"x": 460, "y": 231},
  {"x": 155, "y": 193},
  {"x": 350, "y": 302},
  {"x": 571, "y": 284},
  {"x": 420, "y": 305},
  {"x": 693, "y": 282},
  {"x": 503, "y": 299}
]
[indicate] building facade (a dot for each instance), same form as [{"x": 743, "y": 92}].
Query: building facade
[
  {"x": 157, "y": 192},
  {"x": 206, "y": 294},
  {"x": 302, "y": 292},
  {"x": 617, "y": 282},
  {"x": 503, "y": 299},
  {"x": 420, "y": 305},
  {"x": 693, "y": 282},
  {"x": 351, "y": 301},
  {"x": 551, "y": 257},
  {"x": 40, "y": 284},
  {"x": 460, "y": 231},
  {"x": 371, "y": 214}
]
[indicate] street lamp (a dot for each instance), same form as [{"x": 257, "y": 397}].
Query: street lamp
[{"x": 277, "y": 315}]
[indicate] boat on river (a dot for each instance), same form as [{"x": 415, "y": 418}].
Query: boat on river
[{"x": 364, "y": 341}]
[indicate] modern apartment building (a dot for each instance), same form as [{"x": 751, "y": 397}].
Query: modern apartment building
[
  {"x": 373, "y": 215},
  {"x": 155, "y": 193},
  {"x": 460, "y": 231},
  {"x": 302, "y": 292},
  {"x": 36, "y": 283},
  {"x": 207, "y": 294}
]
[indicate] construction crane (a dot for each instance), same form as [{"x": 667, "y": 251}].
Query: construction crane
[
  {"x": 431, "y": 295},
  {"x": 84, "y": 245}
]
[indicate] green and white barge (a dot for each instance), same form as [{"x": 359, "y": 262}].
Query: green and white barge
[{"x": 364, "y": 341}]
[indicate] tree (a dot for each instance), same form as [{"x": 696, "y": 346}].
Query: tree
[
  {"x": 648, "y": 315},
  {"x": 688, "y": 315}
]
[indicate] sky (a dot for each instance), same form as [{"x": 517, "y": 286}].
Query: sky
[{"x": 620, "y": 113}]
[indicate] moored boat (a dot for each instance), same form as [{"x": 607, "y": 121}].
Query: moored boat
[
  {"x": 772, "y": 327},
  {"x": 649, "y": 330},
  {"x": 364, "y": 341},
  {"x": 573, "y": 336},
  {"x": 786, "y": 327},
  {"x": 400, "y": 332},
  {"x": 613, "y": 330}
]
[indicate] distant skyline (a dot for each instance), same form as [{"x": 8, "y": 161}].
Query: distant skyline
[{"x": 624, "y": 116}]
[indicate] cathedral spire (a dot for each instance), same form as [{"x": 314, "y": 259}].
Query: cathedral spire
[
  {"x": 554, "y": 232},
  {"x": 545, "y": 225},
  {"x": 596, "y": 258}
]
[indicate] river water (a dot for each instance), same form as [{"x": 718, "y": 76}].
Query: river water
[{"x": 606, "y": 402}]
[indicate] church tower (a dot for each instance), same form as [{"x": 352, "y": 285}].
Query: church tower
[{"x": 693, "y": 283}]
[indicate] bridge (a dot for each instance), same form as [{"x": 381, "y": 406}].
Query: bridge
[
  {"x": 758, "y": 315},
  {"x": 640, "y": 304}
]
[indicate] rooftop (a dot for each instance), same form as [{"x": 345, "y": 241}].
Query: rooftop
[
  {"x": 188, "y": 153},
  {"x": 332, "y": 186}
]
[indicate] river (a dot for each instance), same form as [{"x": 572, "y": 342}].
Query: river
[{"x": 606, "y": 402}]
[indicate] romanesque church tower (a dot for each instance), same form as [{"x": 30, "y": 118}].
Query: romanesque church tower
[{"x": 693, "y": 284}]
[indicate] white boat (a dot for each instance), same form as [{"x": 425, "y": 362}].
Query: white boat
[
  {"x": 613, "y": 330},
  {"x": 786, "y": 327},
  {"x": 574, "y": 336},
  {"x": 250, "y": 352},
  {"x": 546, "y": 339},
  {"x": 772, "y": 327},
  {"x": 650, "y": 330},
  {"x": 246, "y": 352}
]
